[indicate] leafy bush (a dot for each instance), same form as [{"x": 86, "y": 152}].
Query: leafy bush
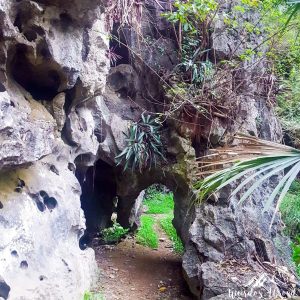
[
  {"x": 167, "y": 226},
  {"x": 113, "y": 234},
  {"x": 144, "y": 145},
  {"x": 159, "y": 203},
  {"x": 295, "y": 188},
  {"x": 290, "y": 212},
  {"x": 146, "y": 235}
]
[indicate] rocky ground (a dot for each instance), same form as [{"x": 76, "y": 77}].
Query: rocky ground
[{"x": 131, "y": 271}]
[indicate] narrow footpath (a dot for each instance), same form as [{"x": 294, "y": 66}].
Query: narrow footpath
[{"x": 129, "y": 271}]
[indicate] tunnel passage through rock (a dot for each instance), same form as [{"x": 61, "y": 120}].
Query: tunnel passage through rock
[{"x": 98, "y": 193}]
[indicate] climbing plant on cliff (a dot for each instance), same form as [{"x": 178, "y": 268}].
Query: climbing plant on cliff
[
  {"x": 252, "y": 161},
  {"x": 144, "y": 147}
]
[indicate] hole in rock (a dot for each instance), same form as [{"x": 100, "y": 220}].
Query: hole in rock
[
  {"x": 54, "y": 170},
  {"x": 43, "y": 194},
  {"x": 14, "y": 253},
  {"x": 2, "y": 88},
  {"x": 98, "y": 191},
  {"x": 50, "y": 202},
  {"x": 23, "y": 264},
  {"x": 42, "y": 80},
  {"x": 40, "y": 205},
  {"x": 1, "y": 205},
  {"x": 118, "y": 51},
  {"x": 18, "y": 22},
  {"x": 41, "y": 278},
  {"x": 71, "y": 167},
  {"x": 30, "y": 35},
  {"x": 261, "y": 250},
  {"x": 65, "y": 20},
  {"x": 4, "y": 289}
]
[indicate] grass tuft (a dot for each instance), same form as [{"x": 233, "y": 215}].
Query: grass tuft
[
  {"x": 167, "y": 226},
  {"x": 93, "y": 296},
  {"x": 146, "y": 235}
]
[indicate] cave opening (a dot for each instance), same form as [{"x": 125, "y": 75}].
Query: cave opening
[
  {"x": 118, "y": 50},
  {"x": 41, "y": 79},
  {"x": 99, "y": 190}
]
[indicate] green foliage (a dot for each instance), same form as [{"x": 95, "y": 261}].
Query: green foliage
[
  {"x": 290, "y": 212},
  {"x": 190, "y": 13},
  {"x": 113, "y": 234},
  {"x": 93, "y": 296},
  {"x": 159, "y": 203},
  {"x": 144, "y": 146},
  {"x": 295, "y": 188},
  {"x": 167, "y": 226},
  {"x": 296, "y": 253},
  {"x": 271, "y": 159},
  {"x": 146, "y": 235}
]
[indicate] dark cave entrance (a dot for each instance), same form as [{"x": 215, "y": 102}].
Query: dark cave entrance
[
  {"x": 118, "y": 49},
  {"x": 98, "y": 193},
  {"x": 41, "y": 79}
]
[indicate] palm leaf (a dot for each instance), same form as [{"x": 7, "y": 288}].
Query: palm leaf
[{"x": 258, "y": 159}]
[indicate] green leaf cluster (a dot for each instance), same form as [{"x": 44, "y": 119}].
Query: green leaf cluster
[
  {"x": 113, "y": 234},
  {"x": 190, "y": 13},
  {"x": 254, "y": 171},
  {"x": 144, "y": 145}
]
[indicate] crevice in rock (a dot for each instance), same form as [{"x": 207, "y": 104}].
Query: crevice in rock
[
  {"x": 4, "y": 289},
  {"x": 18, "y": 22},
  {"x": 2, "y": 88},
  {"x": 118, "y": 53},
  {"x": 261, "y": 250},
  {"x": 24, "y": 264}
]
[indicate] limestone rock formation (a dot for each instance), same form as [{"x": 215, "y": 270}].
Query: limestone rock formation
[{"x": 63, "y": 112}]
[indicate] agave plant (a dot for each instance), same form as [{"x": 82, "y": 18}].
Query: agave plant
[
  {"x": 144, "y": 146},
  {"x": 251, "y": 161}
]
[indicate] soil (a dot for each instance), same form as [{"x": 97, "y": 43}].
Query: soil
[{"x": 131, "y": 271}]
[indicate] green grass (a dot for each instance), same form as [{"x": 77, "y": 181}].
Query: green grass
[
  {"x": 159, "y": 203},
  {"x": 146, "y": 235},
  {"x": 93, "y": 296},
  {"x": 168, "y": 228}
]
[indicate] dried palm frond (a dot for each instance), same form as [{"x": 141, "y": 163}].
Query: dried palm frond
[{"x": 252, "y": 157}]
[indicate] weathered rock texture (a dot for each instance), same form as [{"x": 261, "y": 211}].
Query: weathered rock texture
[
  {"x": 51, "y": 53},
  {"x": 63, "y": 112}
]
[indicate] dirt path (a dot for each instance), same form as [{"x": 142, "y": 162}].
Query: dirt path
[{"x": 131, "y": 271}]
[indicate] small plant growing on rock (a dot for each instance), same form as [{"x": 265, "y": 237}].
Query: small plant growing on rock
[
  {"x": 144, "y": 145},
  {"x": 113, "y": 234}
]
